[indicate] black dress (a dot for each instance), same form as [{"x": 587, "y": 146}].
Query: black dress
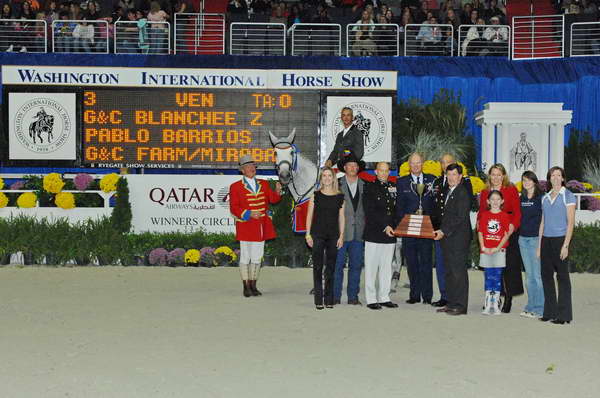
[{"x": 325, "y": 231}]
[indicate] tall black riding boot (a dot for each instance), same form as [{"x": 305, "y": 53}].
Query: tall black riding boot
[{"x": 507, "y": 305}]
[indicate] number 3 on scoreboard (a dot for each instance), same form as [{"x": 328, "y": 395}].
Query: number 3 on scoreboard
[{"x": 90, "y": 98}]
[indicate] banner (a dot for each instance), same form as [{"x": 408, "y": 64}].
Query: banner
[
  {"x": 42, "y": 126},
  {"x": 201, "y": 78},
  {"x": 168, "y": 203},
  {"x": 372, "y": 116}
]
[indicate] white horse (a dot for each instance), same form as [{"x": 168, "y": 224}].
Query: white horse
[{"x": 296, "y": 172}]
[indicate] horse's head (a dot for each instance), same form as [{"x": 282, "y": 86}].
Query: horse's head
[{"x": 285, "y": 156}]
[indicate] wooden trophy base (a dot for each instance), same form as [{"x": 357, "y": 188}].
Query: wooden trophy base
[{"x": 415, "y": 226}]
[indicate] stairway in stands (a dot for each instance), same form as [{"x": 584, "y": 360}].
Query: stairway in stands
[
  {"x": 210, "y": 35},
  {"x": 547, "y": 41}
]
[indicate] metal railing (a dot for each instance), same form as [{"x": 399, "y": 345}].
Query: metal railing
[
  {"x": 316, "y": 39},
  {"x": 372, "y": 39},
  {"x": 199, "y": 33},
  {"x": 24, "y": 35},
  {"x": 484, "y": 40},
  {"x": 79, "y": 36},
  {"x": 540, "y": 36},
  {"x": 142, "y": 37},
  {"x": 255, "y": 38},
  {"x": 585, "y": 39},
  {"x": 427, "y": 39}
]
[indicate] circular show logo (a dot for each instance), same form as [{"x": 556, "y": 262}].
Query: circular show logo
[
  {"x": 42, "y": 125},
  {"x": 369, "y": 120}
]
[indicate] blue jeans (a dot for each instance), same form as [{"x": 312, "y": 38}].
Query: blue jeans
[
  {"x": 535, "y": 288},
  {"x": 419, "y": 254},
  {"x": 356, "y": 251},
  {"x": 440, "y": 270}
]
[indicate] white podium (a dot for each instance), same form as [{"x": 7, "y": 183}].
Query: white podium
[{"x": 523, "y": 136}]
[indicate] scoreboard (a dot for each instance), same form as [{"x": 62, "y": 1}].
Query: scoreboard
[{"x": 193, "y": 128}]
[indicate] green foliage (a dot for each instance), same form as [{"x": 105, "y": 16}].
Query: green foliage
[
  {"x": 584, "y": 250},
  {"x": 581, "y": 148},
  {"x": 439, "y": 126},
  {"x": 36, "y": 183},
  {"x": 288, "y": 243},
  {"x": 121, "y": 214},
  {"x": 109, "y": 245}
]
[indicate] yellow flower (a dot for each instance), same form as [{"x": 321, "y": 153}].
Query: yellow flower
[
  {"x": 53, "y": 183},
  {"x": 3, "y": 200},
  {"x": 519, "y": 186},
  {"x": 464, "y": 168},
  {"x": 192, "y": 256},
  {"x": 432, "y": 167},
  {"x": 27, "y": 200},
  {"x": 597, "y": 196},
  {"x": 588, "y": 186},
  {"x": 1, "y": 183},
  {"x": 108, "y": 183},
  {"x": 65, "y": 200},
  {"x": 477, "y": 184},
  {"x": 227, "y": 251},
  {"x": 404, "y": 169}
]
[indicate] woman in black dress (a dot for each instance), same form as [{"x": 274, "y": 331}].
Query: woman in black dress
[{"x": 325, "y": 223}]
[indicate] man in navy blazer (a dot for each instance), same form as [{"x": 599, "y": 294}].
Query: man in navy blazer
[{"x": 418, "y": 251}]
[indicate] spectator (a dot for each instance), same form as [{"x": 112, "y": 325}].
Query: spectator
[
  {"x": 385, "y": 37},
  {"x": 322, "y": 16},
  {"x": 405, "y": 34},
  {"x": 51, "y": 11},
  {"x": 391, "y": 18},
  {"x": 237, "y": 7},
  {"x": 429, "y": 37},
  {"x": 294, "y": 16},
  {"x": 278, "y": 16},
  {"x": 354, "y": 5},
  {"x": 363, "y": 42},
  {"x": 126, "y": 5},
  {"x": 76, "y": 13},
  {"x": 449, "y": 40},
  {"x": 260, "y": 7},
  {"x": 589, "y": 7},
  {"x": 450, "y": 18},
  {"x": 422, "y": 14},
  {"x": 494, "y": 11},
  {"x": 158, "y": 30},
  {"x": 365, "y": 19},
  {"x": 83, "y": 36},
  {"x": 93, "y": 12},
  {"x": 412, "y": 4},
  {"x": 26, "y": 11},
  {"x": 7, "y": 26},
  {"x": 474, "y": 39},
  {"x": 498, "y": 36},
  {"x": 63, "y": 33},
  {"x": 465, "y": 18}
]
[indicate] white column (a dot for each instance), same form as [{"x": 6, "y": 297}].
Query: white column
[
  {"x": 557, "y": 145},
  {"x": 503, "y": 144},
  {"x": 543, "y": 160},
  {"x": 488, "y": 145}
]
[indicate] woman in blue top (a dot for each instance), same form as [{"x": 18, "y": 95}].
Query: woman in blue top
[
  {"x": 556, "y": 229},
  {"x": 529, "y": 239}
]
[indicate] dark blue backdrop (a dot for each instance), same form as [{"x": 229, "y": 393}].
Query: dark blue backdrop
[{"x": 572, "y": 81}]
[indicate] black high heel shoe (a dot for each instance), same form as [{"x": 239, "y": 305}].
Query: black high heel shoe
[
  {"x": 544, "y": 319},
  {"x": 507, "y": 305},
  {"x": 559, "y": 322},
  {"x": 319, "y": 307}
]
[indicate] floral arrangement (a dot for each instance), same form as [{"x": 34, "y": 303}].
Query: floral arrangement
[
  {"x": 27, "y": 200},
  {"x": 65, "y": 200},
  {"x": 82, "y": 181},
  {"x": 1, "y": 183},
  {"x": 519, "y": 186},
  {"x": 108, "y": 183},
  {"x": 477, "y": 184},
  {"x": 176, "y": 256},
  {"x": 158, "y": 256},
  {"x": 17, "y": 185},
  {"x": 53, "y": 183},
  {"x": 225, "y": 255},
  {"x": 207, "y": 256},
  {"x": 429, "y": 167},
  {"x": 3, "y": 200},
  {"x": 192, "y": 256}
]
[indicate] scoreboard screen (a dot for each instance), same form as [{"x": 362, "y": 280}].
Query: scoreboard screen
[{"x": 193, "y": 127}]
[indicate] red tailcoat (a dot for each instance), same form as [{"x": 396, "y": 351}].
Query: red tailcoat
[{"x": 242, "y": 200}]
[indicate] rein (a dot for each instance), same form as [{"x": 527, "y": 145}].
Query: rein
[{"x": 293, "y": 167}]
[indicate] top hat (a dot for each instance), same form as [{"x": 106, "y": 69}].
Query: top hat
[
  {"x": 348, "y": 156},
  {"x": 246, "y": 159}
]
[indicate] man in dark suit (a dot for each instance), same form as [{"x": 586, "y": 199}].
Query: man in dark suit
[
  {"x": 440, "y": 188},
  {"x": 418, "y": 251},
  {"x": 455, "y": 235},
  {"x": 350, "y": 138}
]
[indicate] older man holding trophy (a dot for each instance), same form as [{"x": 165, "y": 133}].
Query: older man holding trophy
[{"x": 414, "y": 205}]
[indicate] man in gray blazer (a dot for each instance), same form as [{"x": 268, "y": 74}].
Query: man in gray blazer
[
  {"x": 349, "y": 139},
  {"x": 353, "y": 188}
]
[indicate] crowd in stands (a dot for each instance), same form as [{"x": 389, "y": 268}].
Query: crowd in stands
[
  {"x": 375, "y": 40},
  {"x": 89, "y": 25}
]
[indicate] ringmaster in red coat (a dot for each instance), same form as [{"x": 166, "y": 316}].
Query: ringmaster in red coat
[{"x": 249, "y": 201}]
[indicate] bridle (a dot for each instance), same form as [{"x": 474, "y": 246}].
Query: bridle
[{"x": 293, "y": 166}]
